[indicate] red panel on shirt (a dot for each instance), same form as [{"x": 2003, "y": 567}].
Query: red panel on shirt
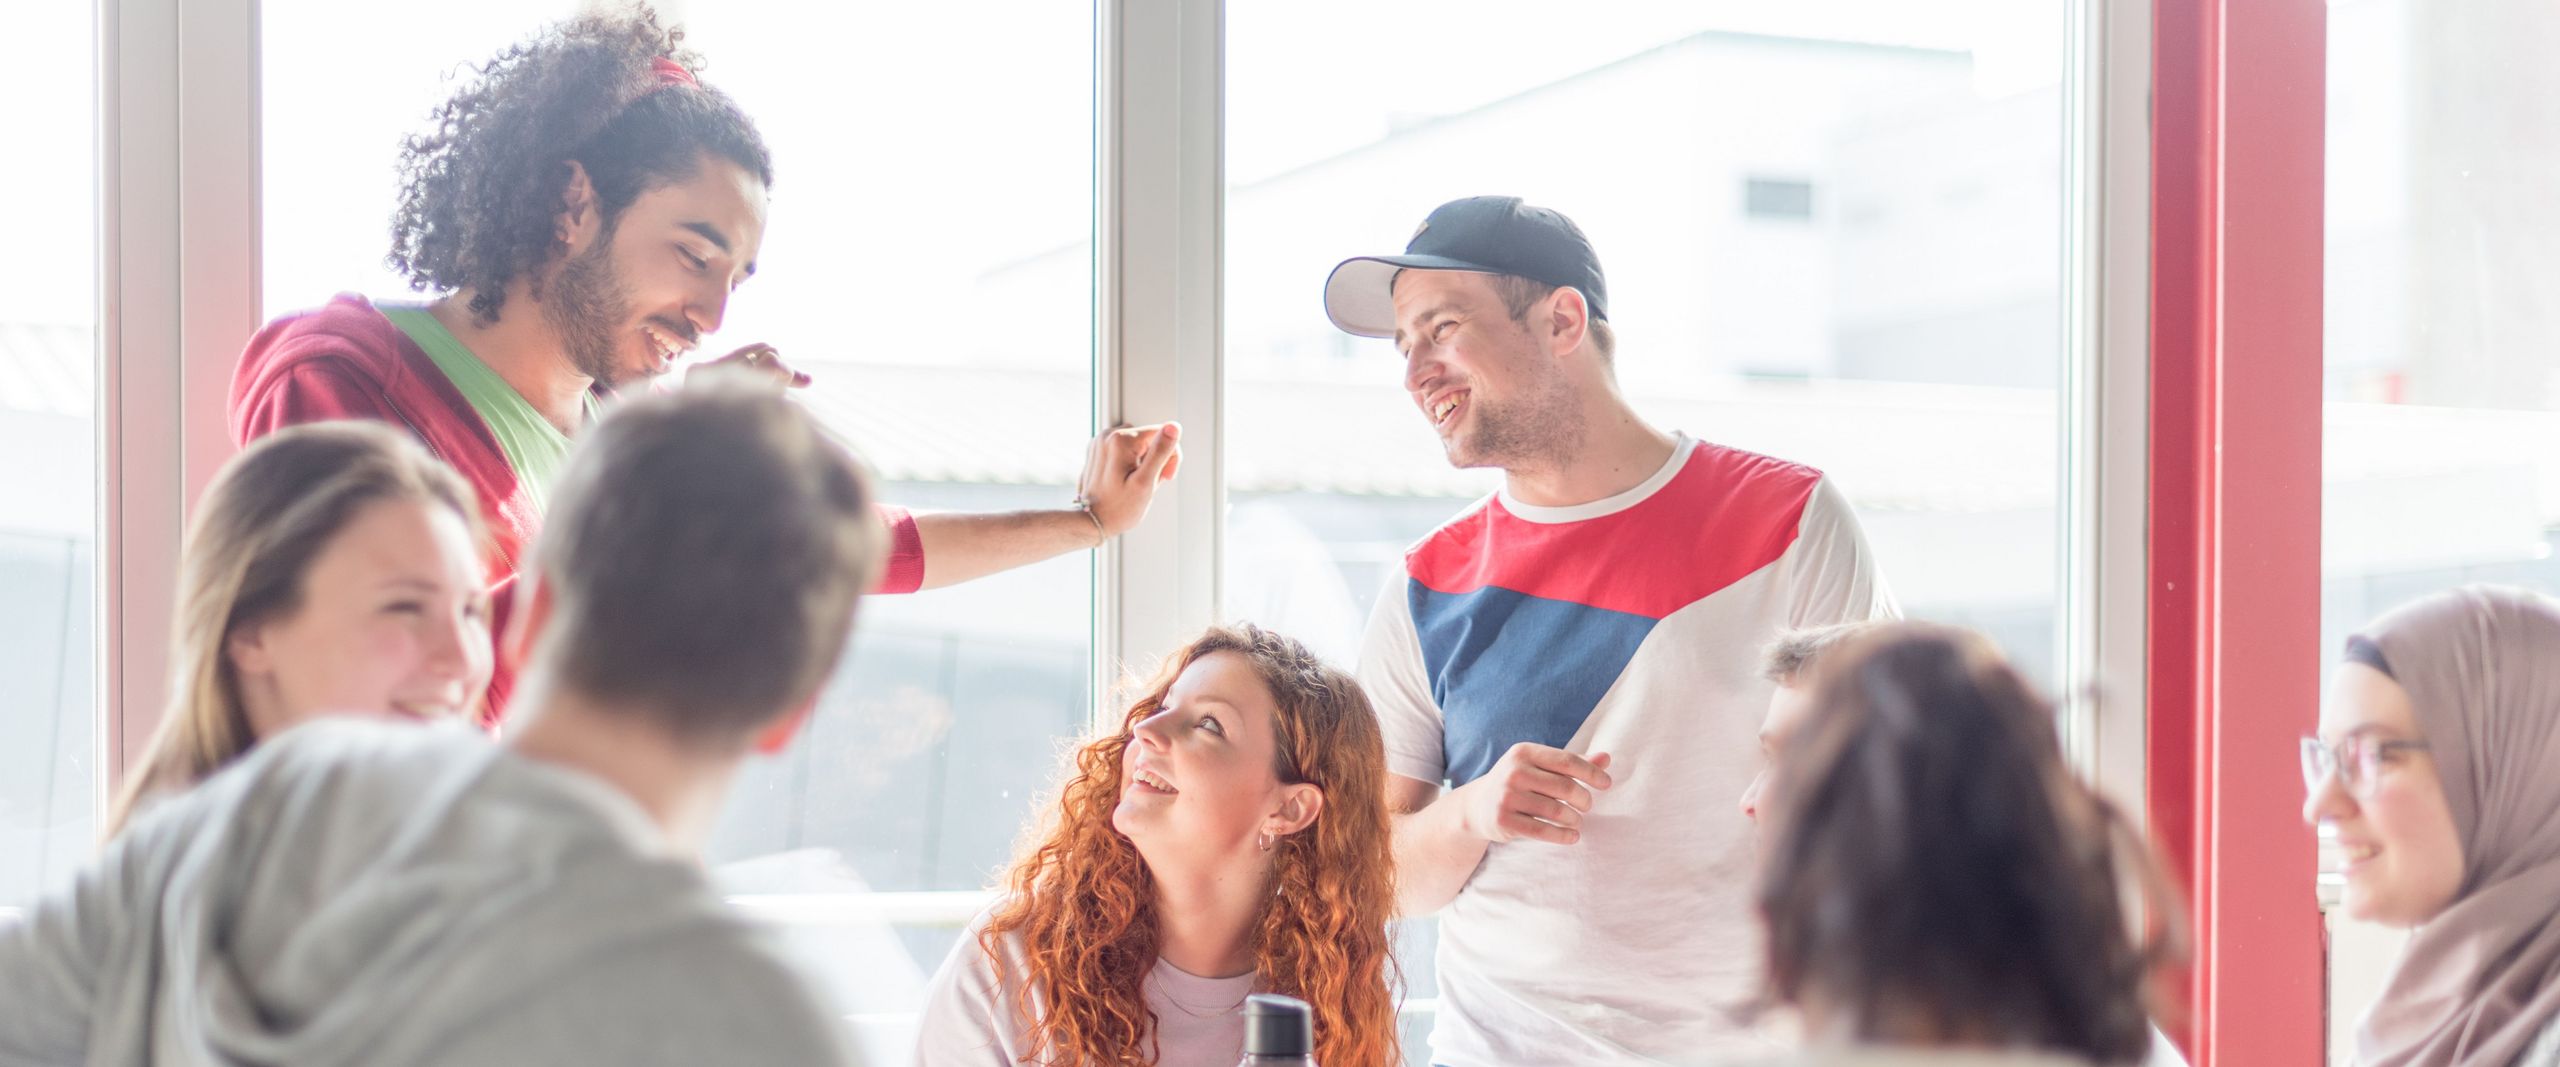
[{"x": 1726, "y": 514}]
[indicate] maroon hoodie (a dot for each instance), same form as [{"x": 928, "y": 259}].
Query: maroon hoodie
[{"x": 344, "y": 360}]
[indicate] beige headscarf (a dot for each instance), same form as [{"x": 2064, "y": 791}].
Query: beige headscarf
[{"x": 2482, "y": 978}]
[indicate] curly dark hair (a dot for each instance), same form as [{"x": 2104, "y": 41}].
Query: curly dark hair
[{"x": 480, "y": 190}]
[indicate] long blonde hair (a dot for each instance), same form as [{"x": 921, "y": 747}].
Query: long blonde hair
[
  {"x": 267, "y": 515},
  {"x": 1083, "y": 900}
]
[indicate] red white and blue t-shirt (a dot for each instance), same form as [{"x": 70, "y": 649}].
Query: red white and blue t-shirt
[{"x": 1633, "y": 626}]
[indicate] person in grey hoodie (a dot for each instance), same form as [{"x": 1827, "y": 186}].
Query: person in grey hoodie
[{"x": 361, "y": 891}]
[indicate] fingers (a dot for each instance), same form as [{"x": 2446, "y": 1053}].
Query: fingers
[
  {"x": 1544, "y": 793},
  {"x": 1539, "y": 794},
  {"x": 790, "y": 376},
  {"x": 1097, "y": 458},
  {"x": 1123, "y": 453},
  {"x": 1566, "y": 812},
  {"x": 766, "y": 360},
  {"x": 1517, "y": 827},
  {"x": 1561, "y": 762},
  {"x": 1156, "y": 464},
  {"x": 1123, "y": 466}
]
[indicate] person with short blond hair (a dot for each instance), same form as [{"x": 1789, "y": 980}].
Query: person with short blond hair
[
  {"x": 1788, "y": 664},
  {"x": 406, "y": 896}
]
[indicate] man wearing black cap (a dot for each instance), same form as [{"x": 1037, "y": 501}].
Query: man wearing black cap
[{"x": 1574, "y": 658}]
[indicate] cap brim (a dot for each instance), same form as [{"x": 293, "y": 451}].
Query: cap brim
[{"x": 1359, "y": 296}]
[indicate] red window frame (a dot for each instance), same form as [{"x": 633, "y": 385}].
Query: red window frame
[{"x": 2239, "y": 106}]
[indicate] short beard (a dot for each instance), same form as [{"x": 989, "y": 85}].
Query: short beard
[
  {"x": 586, "y": 306},
  {"x": 1540, "y": 428}
]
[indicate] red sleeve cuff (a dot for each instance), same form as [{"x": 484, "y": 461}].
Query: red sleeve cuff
[{"x": 904, "y": 572}]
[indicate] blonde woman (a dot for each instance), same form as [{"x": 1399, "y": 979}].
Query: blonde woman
[{"x": 331, "y": 568}]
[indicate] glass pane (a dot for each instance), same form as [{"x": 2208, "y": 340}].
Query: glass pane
[
  {"x": 48, "y": 525},
  {"x": 2441, "y": 462},
  {"x": 1830, "y": 235},
  {"x": 332, "y": 121},
  {"x": 928, "y": 263}
]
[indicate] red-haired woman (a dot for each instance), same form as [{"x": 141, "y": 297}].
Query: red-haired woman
[{"x": 1231, "y": 839}]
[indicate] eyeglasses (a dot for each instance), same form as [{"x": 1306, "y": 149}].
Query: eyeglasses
[{"x": 2358, "y": 761}]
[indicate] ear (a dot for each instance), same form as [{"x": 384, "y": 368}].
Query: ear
[
  {"x": 247, "y": 649},
  {"x": 1300, "y": 804},
  {"x": 528, "y": 616},
  {"x": 1567, "y": 319},
  {"x": 778, "y": 735},
  {"x": 581, "y": 215}
]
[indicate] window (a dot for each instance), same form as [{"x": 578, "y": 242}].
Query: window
[
  {"x": 331, "y": 126},
  {"x": 48, "y": 525},
  {"x": 931, "y": 262},
  {"x": 927, "y": 262},
  {"x": 1785, "y": 199},
  {"x": 2442, "y": 456},
  {"x": 1913, "y": 355}
]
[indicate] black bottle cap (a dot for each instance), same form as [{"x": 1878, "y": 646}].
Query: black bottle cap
[{"x": 1275, "y": 1025}]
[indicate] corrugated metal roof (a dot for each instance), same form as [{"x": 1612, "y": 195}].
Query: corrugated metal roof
[
  {"x": 1891, "y": 445},
  {"x": 1894, "y": 444}
]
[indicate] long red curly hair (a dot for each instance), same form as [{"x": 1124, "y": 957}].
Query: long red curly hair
[{"x": 1083, "y": 901}]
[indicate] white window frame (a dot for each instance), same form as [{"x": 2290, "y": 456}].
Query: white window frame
[
  {"x": 2105, "y": 396},
  {"x": 179, "y": 274},
  {"x": 177, "y": 296},
  {"x": 1160, "y": 190}
]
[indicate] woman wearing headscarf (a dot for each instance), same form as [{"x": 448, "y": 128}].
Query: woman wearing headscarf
[{"x": 2438, "y": 766}]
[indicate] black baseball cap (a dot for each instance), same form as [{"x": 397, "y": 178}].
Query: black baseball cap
[{"x": 1483, "y": 234}]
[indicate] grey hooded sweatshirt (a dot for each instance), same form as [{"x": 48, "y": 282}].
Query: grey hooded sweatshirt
[{"x": 395, "y": 895}]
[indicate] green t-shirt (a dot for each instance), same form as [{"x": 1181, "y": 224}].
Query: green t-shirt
[{"x": 534, "y": 447}]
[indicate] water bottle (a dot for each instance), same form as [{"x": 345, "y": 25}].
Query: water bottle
[{"x": 1278, "y": 1032}]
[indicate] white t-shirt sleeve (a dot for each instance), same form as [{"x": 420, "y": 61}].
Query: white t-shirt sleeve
[
  {"x": 1391, "y": 673},
  {"x": 1838, "y": 580},
  {"x": 969, "y": 1018}
]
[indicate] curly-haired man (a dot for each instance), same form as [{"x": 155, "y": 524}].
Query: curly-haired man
[{"x": 584, "y": 209}]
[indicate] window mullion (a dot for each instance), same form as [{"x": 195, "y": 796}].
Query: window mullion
[
  {"x": 2105, "y": 396},
  {"x": 1158, "y": 177},
  {"x": 177, "y": 295}
]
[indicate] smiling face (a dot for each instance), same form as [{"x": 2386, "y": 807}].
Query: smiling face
[
  {"x": 641, "y": 293},
  {"x": 2402, "y": 854},
  {"x": 390, "y": 617},
  {"x": 1484, "y": 381},
  {"x": 1200, "y": 783}
]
